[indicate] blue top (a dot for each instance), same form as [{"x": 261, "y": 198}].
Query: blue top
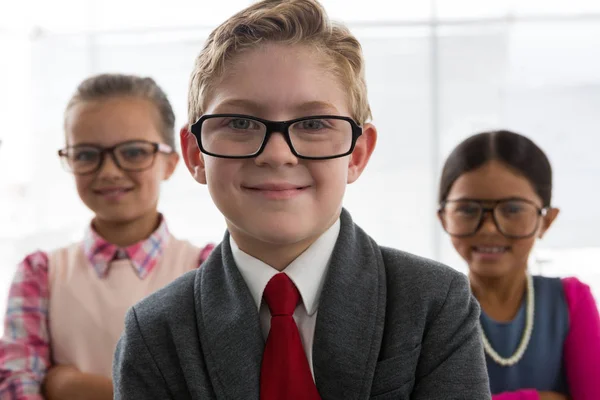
[{"x": 541, "y": 367}]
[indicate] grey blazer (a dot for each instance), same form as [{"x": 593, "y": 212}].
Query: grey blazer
[{"x": 390, "y": 326}]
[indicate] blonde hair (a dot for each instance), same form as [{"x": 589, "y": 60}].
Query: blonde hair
[
  {"x": 291, "y": 22},
  {"x": 104, "y": 86}
]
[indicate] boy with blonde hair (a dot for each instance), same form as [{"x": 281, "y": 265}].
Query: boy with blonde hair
[{"x": 297, "y": 302}]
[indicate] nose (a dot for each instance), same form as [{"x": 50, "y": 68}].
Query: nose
[
  {"x": 109, "y": 168},
  {"x": 487, "y": 224},
  {"x": 277, "y": 152}
]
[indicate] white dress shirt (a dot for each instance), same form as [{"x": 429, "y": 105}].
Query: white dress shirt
[{"x": 307, "y": 272}]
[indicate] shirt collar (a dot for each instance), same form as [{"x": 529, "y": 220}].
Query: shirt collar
[
  {"x": 143, "y": 255},
  {"x": 307, "y": 271}
]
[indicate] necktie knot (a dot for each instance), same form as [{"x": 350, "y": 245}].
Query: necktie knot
[{"x": 281, "y": 295}]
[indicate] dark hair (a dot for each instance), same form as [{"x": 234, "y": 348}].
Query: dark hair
[
  {"x": 514, "y": 150},
  {"x": 105, "y": 86}
]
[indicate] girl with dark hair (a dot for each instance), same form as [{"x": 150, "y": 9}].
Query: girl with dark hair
[{"x": 541, "y": 335}]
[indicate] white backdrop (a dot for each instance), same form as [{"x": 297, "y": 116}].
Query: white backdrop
[{"x": 432, "y": 82}]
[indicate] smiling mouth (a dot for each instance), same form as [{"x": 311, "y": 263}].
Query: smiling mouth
[
  {"x": 490, "y": 249},
  {"x": 112, "y": 191},
  {"x": 275, "y": 189},
  {"x": 276, "y": 192}
]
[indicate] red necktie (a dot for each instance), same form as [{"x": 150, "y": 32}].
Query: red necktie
[{"x": 285, "y": 373}]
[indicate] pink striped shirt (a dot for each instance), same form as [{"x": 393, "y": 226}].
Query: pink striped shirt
[
  {"x": 581, "y": 350},
  {"x": 25, "y": 347}
]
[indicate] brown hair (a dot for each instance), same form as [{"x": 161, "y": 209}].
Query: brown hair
[
  {"x": 105, "y": 86},
  {"x": 516, "y": 151},
  {"x": 291, "y": 22}
]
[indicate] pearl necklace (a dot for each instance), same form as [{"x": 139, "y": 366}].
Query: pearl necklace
[{"x": 515, "y": 358}]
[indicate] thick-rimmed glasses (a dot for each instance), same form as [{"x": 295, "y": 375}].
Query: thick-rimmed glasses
[
  {"x": 131, "y": 156},
  {"x": 515, "y": 218},
  {"x": 318, "y": 137}
]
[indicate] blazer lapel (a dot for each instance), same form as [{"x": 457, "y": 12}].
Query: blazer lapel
[
  {"x": 350, "y": 317},
  {"x": 229, "y": 326}
]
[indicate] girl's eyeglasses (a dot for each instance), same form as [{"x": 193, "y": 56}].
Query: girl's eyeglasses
[
  {"x": 514, "y": 218},
  {"x": 131, "y": 156}
]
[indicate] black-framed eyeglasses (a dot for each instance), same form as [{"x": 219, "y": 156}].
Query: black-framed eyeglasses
[
  {"x": 318, "y": 137},
  {"x": 515, "y": 218},
  {"x": 131, "y": 156}
]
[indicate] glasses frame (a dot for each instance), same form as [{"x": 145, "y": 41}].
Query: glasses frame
[
  {"x": 158, "y": 148},
  {"x": 541, "y": 212},
  {"x": 275, "y": 126}
]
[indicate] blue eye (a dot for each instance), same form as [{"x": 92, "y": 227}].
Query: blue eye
[
  {"x": 311, "y": 124},
  {"x": 243, "y": 124}
]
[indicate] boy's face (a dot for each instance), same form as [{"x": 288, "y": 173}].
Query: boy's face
[{"x": 277, "y": 198}]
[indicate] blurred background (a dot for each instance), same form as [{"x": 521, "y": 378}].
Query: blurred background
[{"x": 437, "y": 72}]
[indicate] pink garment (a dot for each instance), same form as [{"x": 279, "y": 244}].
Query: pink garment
[
  {"x": 581, "y": 351},
  {"x": 87, "y": 314},
  {"x": 25, "y": 347}
]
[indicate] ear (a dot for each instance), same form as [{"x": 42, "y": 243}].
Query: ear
[
  {"x": 192, "y": 156},
  {"x": 171, "y": 162},
  {"x": 362, "y": 152},
  {"x": 548, "y": 220},
  {"x": 438, "y": 214}
]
